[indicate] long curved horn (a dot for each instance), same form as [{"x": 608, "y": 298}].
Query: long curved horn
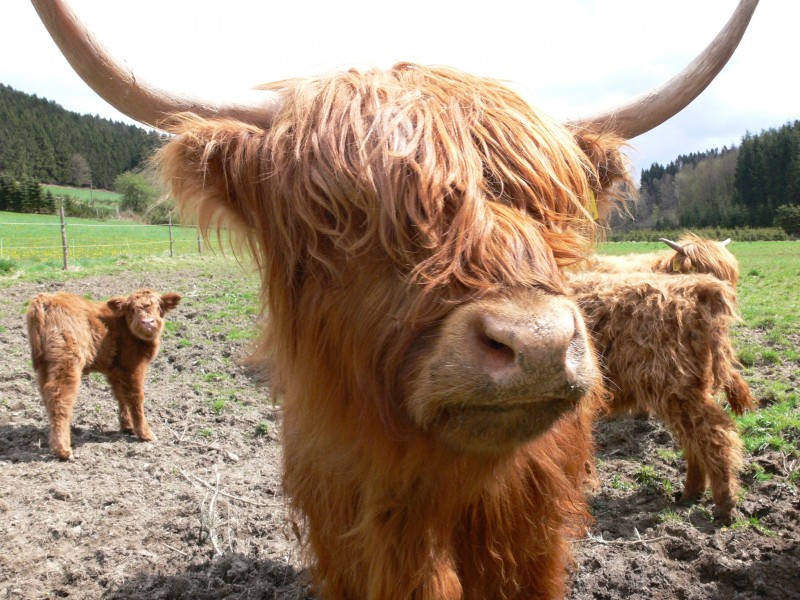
[
  {"x": 649, "y": 110},
  {"x": 126, "y": 92},
  {"x": 674, "y": 245},
  {"x": 725, "y": 242}
]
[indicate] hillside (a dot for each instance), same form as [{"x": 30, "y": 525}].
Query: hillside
[
  {"x": 742, "y": 186},
  {"x": 42, "y": 140}
]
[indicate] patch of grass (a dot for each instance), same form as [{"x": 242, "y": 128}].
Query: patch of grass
[
  {"x": 669, "y": 515},
  {"x": 774, "y": 427},
  {"x": 218, "y": 404},
  {"x": 770, "y": 357},
  {"x": 752, "y": 523},
  {"x": 214, "y": 376},
  {"x": 747, "y": 355},
  {"x": 669, "y": 454},
  {"x": 237, "y": 334},
  {"x": 184, "y": 343},
  {"x": 759, "y": 474},
  {"x": 7, "y": 266},
  {"x": 221, "y": 401},
  {"x": 649, "y": 481},
  {"x": 618, "y": 483},
  {"x": 103, "y": 197},
  {"x": 206, "y": 432},
  {"x": 262, "y": 429}
]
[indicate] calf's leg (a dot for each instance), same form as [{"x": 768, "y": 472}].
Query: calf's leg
[
  {"x": 125, "y": 424},
  {"x": 59, "y": 385},
  {"x": 712, "y": 448},
  {"x": 696, "y": 479},
  {"x": 129, "y": 392}
]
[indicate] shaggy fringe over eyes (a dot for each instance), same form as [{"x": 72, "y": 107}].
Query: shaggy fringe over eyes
[{"x": 453, "y": 177}]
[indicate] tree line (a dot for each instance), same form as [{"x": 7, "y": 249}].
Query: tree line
[
  {"x": 25, "y": 196},
  {"x": 756, "y": 184},
  {"x": 41, "y": 140}
]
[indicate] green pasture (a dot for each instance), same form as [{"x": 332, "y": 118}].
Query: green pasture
[
  {"x": 33, "y": 244},
  {"x": 101, "y": 197}
]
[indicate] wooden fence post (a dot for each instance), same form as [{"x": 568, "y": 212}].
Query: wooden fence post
[
  {"x": 170, "y": 236},
  {"x": 64, "y": 239}
]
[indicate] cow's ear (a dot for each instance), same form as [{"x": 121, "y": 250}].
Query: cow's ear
[
  {"x": 610, "y": 179},
  {"x": 169, "y": 301},
  {"x": 117, "y": 305}
]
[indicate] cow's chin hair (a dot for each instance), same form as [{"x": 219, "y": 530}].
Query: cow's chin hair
[{"x": 494, "y": 428}]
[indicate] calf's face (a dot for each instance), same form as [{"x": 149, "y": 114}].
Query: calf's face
[{"x": 144, "y": 312}]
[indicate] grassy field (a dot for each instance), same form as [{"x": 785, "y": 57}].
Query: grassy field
[
  {"x": 101, "y": 197},
  {"x": 32, "y": 243}
]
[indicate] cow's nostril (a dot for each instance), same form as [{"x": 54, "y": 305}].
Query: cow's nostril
[
  {"x": 497, "y": 348},
  {"x": 494, "y": 345}
]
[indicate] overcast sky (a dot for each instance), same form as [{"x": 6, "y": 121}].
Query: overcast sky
[{"x": 567, "y": 57}]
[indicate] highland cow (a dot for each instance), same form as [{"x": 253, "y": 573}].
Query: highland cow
[
  {"x": 665, "y": 349},
  {"x": 692, "y": 254},
  {"x": 409, "y": 226},
  {"x": 71, "y": 336}
]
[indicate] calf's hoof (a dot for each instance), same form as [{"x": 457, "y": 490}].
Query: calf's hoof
[
  {"x": 685, "y": 499},
  {"x": 724, "y": 516},
  {"x": 62, "y": 454},
  {"x": 725, "y": 513},
  {"x": 146, "y": 435}
]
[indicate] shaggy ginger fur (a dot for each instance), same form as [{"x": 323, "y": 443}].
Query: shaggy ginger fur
[
  {"x": 665, "y": 350},
  {"x": 697, "y": 255},
  {"x": 71, "y": 336},
  {"x": 396, "y": 218}
]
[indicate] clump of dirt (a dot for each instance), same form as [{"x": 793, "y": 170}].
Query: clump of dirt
[{"x": 199, "y": 513}]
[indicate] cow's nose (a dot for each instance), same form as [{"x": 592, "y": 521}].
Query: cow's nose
[{"x": 546, "y": 348}]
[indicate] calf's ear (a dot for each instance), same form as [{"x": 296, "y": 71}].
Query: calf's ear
[
  {"x": 169, "y": 301},
  {"x": 117, "y": 305}
]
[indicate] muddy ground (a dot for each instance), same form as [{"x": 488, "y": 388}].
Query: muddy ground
[{"x": 198, "y": 514}]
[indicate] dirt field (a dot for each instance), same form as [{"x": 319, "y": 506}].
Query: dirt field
[{"x": 198, "y": 514}]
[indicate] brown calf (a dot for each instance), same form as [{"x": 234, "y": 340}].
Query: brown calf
[
  {"x": 71, "y": 336},
  {"x": 665, "y": 350}
]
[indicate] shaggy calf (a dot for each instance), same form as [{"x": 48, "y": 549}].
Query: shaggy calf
[
  {"x": 692, "y": 254},
  {"x": 71, "y": 336},
  {"x": 665, "y": 350}
]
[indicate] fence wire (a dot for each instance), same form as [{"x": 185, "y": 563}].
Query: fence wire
[{"x": 128, "y": 239}]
